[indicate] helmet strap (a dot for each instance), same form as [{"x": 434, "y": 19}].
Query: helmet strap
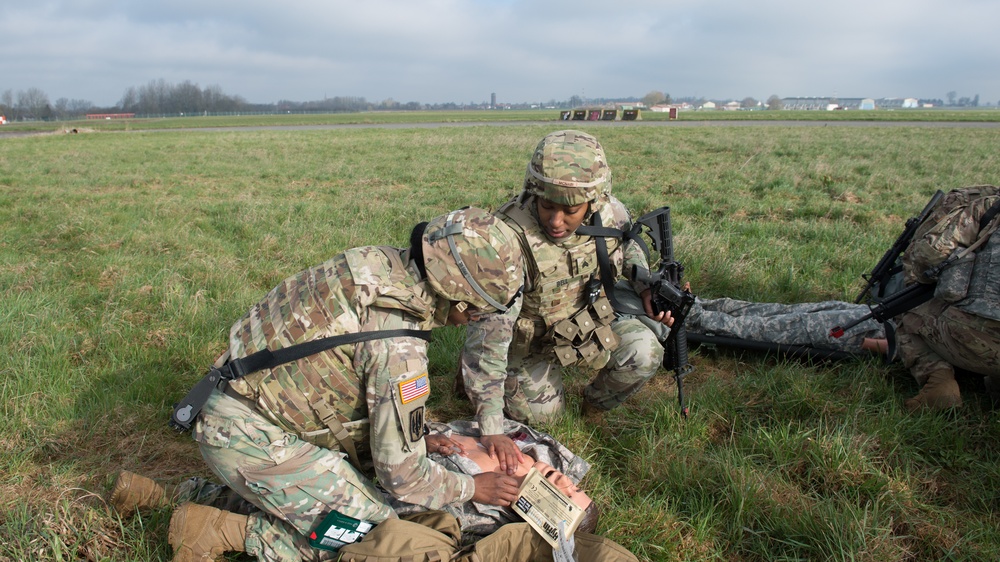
[{"x": 450, "y": 230}]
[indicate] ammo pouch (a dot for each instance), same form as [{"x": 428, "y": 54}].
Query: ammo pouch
[
  {"x": 524, "y": 334},
  {"x": 953, "y": 282},
  {"x": 586, "y": 338}
]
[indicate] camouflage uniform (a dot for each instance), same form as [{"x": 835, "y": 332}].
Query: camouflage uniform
[
  {"x": 271, "y": 435},
  {"x": 960, "y": 326},
  {"x": 514, "y": 361},
  {"x": 805, "y": 324}
]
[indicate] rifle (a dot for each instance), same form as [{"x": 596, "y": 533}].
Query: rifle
[
  {"x": 910, "y": 297},
  {"x": 917, "y": 294},
  {"x": 890, "y": 263},
  {"x": 668, "y": 295}
]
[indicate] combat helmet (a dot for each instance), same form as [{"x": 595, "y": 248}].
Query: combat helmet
[
  {"x": 569, "y": 168},
  {"x": 471, "y": 256}
]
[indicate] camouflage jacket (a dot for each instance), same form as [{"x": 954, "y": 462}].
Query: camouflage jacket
[
  {"x": 555, "y": 288},
  {"x": 377, "y": 389},
  {"x": 972, "y": 283}
]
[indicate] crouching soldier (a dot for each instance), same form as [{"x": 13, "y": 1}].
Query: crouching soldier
[
  {"x": 958, "y": 250},
  {"x": 309, "y": 437}
]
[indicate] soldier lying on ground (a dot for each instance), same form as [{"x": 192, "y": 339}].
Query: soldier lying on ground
[
  {"x": 802, "y": 325},
  {"x": 541, "y": 451},
  {"x": 454, "y": 445}
]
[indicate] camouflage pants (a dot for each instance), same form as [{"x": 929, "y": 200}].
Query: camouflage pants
[
  {"x": 294, "y": 483},
  {"x": 936, "y": 336},
  {"x": 806, "y": 324},
  {"x": 534, "y": 391}
]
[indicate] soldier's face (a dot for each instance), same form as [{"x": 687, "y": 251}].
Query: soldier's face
[{"x": 560, "y": 221}]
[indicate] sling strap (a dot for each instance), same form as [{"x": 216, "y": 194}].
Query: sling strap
[
  {"x": 599, "y": 232},
  {"x": 188, "y": 409}
]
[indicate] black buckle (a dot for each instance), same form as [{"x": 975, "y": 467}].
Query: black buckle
[{"x": 188, "y": 409}]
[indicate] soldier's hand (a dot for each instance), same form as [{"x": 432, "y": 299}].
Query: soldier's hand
[
  {"x": 664, "y": 317},
  {"x": 494, "y": 488},
  {"x": 504, "y": 451},
  {"x": 443, "y": 445}
]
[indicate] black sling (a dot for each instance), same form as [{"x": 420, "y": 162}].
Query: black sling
[{"x": 187, "y": 409}]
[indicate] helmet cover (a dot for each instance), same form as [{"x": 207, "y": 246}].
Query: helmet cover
[
  {"x": 473, "y": 257},
  {"x": 568, "y": 168}
]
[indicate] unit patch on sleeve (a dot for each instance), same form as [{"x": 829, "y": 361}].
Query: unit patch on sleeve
[
  {"x": 417, "y": 427},
  {"x": 412, "y": 389}
]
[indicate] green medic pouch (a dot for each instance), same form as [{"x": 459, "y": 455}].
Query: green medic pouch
[{"x": 337, "y": 530}]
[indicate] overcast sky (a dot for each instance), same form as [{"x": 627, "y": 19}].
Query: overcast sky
[{"x": 435, "y": 51}]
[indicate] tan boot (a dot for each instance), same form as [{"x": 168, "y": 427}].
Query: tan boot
[
  {"x": 938, "y": 393},
  {"x": 199, "y": 533},
  {"x": 133, "y": 492}
]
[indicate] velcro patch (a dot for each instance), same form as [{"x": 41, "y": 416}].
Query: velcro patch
[
  {"x": 417, "y": 424},
  {"x": 412, "y": 389}
]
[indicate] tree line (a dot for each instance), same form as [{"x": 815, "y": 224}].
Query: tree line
[{"x": 161, "y": 98}]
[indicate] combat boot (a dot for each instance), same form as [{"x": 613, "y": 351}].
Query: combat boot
[
  {"x": 591, "y": 413},
  {"x": 133, "y": 492},
  {"x": 938, "y": 393},
  {"x": 199, "y": 533}
]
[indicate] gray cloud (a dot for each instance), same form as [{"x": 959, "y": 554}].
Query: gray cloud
[{"x": 462, "y": 50}]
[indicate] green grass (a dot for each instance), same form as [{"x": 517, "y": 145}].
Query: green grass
[
  {"x": 125, "y": 258},
  {"x": 389, "y": 118}
]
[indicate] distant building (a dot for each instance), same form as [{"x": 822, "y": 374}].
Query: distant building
[
  {"x": 666, "y": 107},
  {"x": 708, "y": 105},
  {"x": 828, "y": 103}
]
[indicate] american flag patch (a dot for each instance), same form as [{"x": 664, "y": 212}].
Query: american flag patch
[{"x": 410, "y": 390}]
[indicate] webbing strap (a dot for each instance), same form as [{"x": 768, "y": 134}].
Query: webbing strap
[
  {"x": 990, "y": 213},
  {"x": 188, "y": 408},
  {"x": 267, "y": 359},
  {"x": 329, "y": 418},
  {"x": 604, "y": 262}
]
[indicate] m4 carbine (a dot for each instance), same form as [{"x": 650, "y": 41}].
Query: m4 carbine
[
  {"x": 668, "y": 294},
  {"x": 884, "y": 308},
  {"x": 891, "y": 263}
]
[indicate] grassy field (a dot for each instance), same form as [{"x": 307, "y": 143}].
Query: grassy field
[
  {"x": 984, "y": 115},
  {"x": 127, "y": 256}
]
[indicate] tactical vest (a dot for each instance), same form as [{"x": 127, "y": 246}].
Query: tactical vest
[
  {"x": 330, "y": 299},
  {"x": 983, "y": 296},
  {"x": 565, "y": 310}
]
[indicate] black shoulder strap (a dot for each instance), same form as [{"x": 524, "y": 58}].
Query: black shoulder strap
[
  {"x": 604, "y": 261},
  {"x": 990, "y": 213},
  {"x": 267, "y": 359},
  {"x": 187, "y": 409}
]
